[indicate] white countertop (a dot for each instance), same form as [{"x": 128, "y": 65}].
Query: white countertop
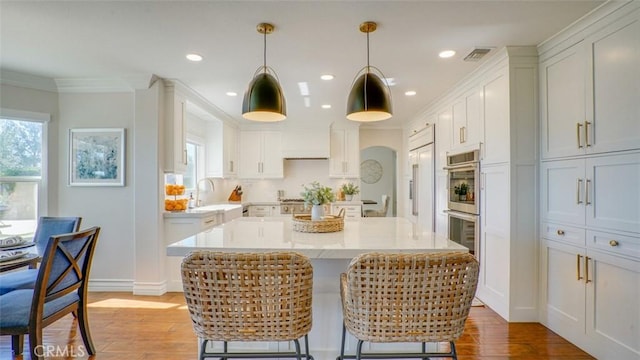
[
  {"x": 384, "y": 234},
  {"x": 203, "y": 211}
]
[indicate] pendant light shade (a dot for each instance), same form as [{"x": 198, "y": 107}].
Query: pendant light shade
[
  {"x": 264, "y": 99},
  {"x": 370, "y": 98}
]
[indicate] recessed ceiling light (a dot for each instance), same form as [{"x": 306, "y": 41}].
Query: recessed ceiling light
[
  {"x": 304, "y": 88},
  {"x": 194, "y": 57},
  {"x": 446, "y": 54},
  {"x": 232, "y": 93},
  {"x": 326, "y": 106},
  {"x": 326, "y": 77},
  {"x": 410, "y": 93}
]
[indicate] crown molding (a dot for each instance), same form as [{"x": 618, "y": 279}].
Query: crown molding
[
  {"x": 105, "y": 85},
  {"x": 29, "y": 81}
]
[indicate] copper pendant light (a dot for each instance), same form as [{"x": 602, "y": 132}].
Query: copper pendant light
[
  {"x": 264, "y": 99},
  {"x": 370, "y": 98}
]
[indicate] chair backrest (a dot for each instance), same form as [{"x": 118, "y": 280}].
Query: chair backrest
[
  {"x": 248, "y": 296},
  {"x": 54, "y": 225},
  {"x": 409, "y": 297},
  {"x": 385, "y": 204},
  {"x": 65, "y": 267}
]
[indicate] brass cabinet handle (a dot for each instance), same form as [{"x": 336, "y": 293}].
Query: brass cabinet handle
[
  {"x": 613, "y": 243},
  {"x": 578, "y": 186},
  {"x": 560, "y": 232},
  {"x": 586, "y": 133},
  {"x": 587, "y": 201},
  {"x": 578, "y": 266},
  {"x": 586, "y": 269},
  {"x": 578, "y": 126}
]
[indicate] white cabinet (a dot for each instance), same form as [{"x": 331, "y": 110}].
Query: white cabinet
[
  {"x": 590, "y": 93},
  {"x": 497, "y": 119},
  {"x": 222, "y": 150},
  {"x": 261, "y": 155},
  {"x": 175, "y": 132},
  {"x": 442, "y": 146},
  {"x": 350, "y": 210},
  {"x": 344, "y": 161},
  {"x": 264, "y": 210},
  {"x": 598, "y": 192},
  {"x": 467, "y": 119},
  {"x": 591, "y": 297}
]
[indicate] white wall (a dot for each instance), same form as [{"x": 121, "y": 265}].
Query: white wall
[{"x": 111, "y": 208}]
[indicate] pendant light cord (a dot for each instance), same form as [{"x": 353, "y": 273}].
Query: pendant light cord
[
  {"x": 264, "y": 61},
  {"x": 368, "y": 67}
]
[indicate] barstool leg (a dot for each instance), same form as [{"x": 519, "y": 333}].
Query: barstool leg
[
  {"x": 344, "y": 329},
  {"x": 298, "y": 352},
  {"x": 359, "y": 349}
]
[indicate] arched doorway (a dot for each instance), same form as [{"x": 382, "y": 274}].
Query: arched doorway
[{"x": 378, "y": 167}]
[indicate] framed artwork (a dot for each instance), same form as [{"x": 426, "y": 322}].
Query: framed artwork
[{"x": 96, "y": 157}]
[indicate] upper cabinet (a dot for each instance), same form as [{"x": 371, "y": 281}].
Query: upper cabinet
[
  {"x": 344, "y": 161},
  {"x": 175, "y": 132},
  {"x": 308, "y": 142},
  {"x": 222, "y": 150},
  {"x": 497, "y": 119},
  {"x": 590, "y": 93},
  {"x": 261, "y": 155},
  {"x": 467, "y": 120}
]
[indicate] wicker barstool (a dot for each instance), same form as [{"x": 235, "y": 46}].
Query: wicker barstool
[
  {"x": 407, "y": 298},
  {"x": 249, "y": 297}
]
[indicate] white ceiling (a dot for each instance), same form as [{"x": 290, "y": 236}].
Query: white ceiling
[{"x": 113, "y": 39}]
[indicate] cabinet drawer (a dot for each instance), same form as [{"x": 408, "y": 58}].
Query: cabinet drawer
[
  {"x": 616, "y": 243},
  {"x": 567, "y": 234},
  {"x": 208, "y": 222}
]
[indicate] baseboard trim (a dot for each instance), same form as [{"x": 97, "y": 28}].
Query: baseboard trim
[
  {"x": 103, "y": 285},
  {"x": 150, "y": 288}
]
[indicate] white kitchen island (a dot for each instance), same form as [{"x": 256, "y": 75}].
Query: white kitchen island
[{"x": 330, "y": 254}]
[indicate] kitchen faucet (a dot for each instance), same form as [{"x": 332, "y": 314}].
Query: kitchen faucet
[{"x": 207, "y": 180}]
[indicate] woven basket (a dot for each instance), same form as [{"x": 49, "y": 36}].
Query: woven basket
[{"x": 329, "y": 223}]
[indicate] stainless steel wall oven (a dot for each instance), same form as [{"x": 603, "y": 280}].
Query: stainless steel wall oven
[{"x": 463, "y": 176}]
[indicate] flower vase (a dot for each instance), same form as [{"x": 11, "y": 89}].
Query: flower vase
[
  {"x": 348, "y": 197},
  {"x": 317, "y": 212}
]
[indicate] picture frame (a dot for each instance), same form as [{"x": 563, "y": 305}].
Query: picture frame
[{"x": 96, "y": 157}]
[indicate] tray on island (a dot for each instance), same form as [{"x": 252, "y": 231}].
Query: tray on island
[{"x": 329, "y": 223}]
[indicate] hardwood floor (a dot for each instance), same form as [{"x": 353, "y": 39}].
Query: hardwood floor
[{"x": 127, "y": 327}]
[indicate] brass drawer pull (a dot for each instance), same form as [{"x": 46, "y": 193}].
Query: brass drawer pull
[
  {"x": 560, "y": 232},
  {"x": 578, "y": 126},
  {"x": 586, "y": 269},
  {"x": 578, "y": 265},
  {"x": 614, "y": 243}
]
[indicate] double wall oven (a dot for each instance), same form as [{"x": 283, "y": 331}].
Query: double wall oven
[{"x": 463, "y": 176}]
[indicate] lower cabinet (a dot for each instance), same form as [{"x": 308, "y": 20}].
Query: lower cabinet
[
  {"x": 264, "y": 210},
  {"x": 590, "y": 297}
]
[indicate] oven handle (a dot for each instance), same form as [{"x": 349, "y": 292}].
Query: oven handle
[
  {"x": 463, "y": 216},
  {"x": 468, "y": 165}
]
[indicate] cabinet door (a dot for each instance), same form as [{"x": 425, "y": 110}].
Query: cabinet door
[
  {"x": 230, "y": 151},
  {"x": 425, "y": 188},
  {"x": 612, "y": 198},
  {"x": 563, "y": 83},
  {"x": 496, "y": 119},
  {"x": 613, "y": 313},
  {"x": 443, "y": 137},
  {"x": 441, "y": 218},
  {"x": 562, "y": 195},
  {"x": 344, "y": 158},
  {"x": 175, "y": 132},
  {"x": 352, "y": 153},
  {"x": 615, "y": 77},
  {"x": 459, "y": 112},
  {"x": 272, "y": 166},
  {"x": 250, "y": 154},
  {"x": 474, "y": 129},
  {"x": 563, "y": 287}
]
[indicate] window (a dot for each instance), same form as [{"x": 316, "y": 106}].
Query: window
[
  {"x": 22, "y": 171},
  {"x": 195, "y": 164}
]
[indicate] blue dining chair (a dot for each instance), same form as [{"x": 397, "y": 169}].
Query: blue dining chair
[
  {"x": 61, "y": 288},
  {"x": 47, "y": 227}
]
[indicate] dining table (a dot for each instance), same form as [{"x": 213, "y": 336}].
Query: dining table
[{"x": 28, "y": 255}]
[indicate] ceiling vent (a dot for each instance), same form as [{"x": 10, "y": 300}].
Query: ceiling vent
[{"x": 477, "y": 54}]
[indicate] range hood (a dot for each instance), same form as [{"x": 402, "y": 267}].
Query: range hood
[{"x": 305, "y": 144}]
